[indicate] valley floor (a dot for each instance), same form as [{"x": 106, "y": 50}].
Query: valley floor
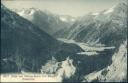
[{"x": 88, "y": 48}]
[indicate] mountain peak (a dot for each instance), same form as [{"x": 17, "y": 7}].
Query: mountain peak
[
  {"x": 26, "y": 11},
  {"x": 29, "y": 11}
]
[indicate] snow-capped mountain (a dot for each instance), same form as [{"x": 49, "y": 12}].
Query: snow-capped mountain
[
  {"x": 25, "y": 47},
  {"x": 50, "y": 23},
  {"x": 106, "y": 27}
]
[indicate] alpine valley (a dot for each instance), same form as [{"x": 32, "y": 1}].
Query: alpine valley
[{"x": 90, "y": 48}]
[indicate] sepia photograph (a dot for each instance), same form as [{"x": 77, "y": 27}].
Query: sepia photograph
[{"x": 64, "y": 40}]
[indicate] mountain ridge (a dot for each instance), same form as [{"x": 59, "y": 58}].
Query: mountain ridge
[
  {"x": 53, "y": 22},
  {"x": 106, "y": 28}
]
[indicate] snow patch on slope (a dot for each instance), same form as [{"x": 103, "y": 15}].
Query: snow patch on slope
[
  {"x": 63, "y": 19},
  {"x": 66, "y": 18},
  {"x": 109, "y": 10},
  {"x": 88, "y": 53},
  {"x": 95, "y": 13}
]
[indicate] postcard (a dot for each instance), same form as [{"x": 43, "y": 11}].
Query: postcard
[{"x": 64, "y": 40}]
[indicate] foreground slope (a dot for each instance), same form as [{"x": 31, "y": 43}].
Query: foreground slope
[{"x": 116, "y": 72}]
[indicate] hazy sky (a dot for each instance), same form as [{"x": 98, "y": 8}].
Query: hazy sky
[{"x": 68, "y": 7}]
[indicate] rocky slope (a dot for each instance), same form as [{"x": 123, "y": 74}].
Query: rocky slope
[
  {"x": 116, "y": 72},
  {"x": 107, "y": 27}
]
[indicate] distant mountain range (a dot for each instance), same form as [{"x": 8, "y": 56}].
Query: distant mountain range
[{"x": 45, "y": 20}]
